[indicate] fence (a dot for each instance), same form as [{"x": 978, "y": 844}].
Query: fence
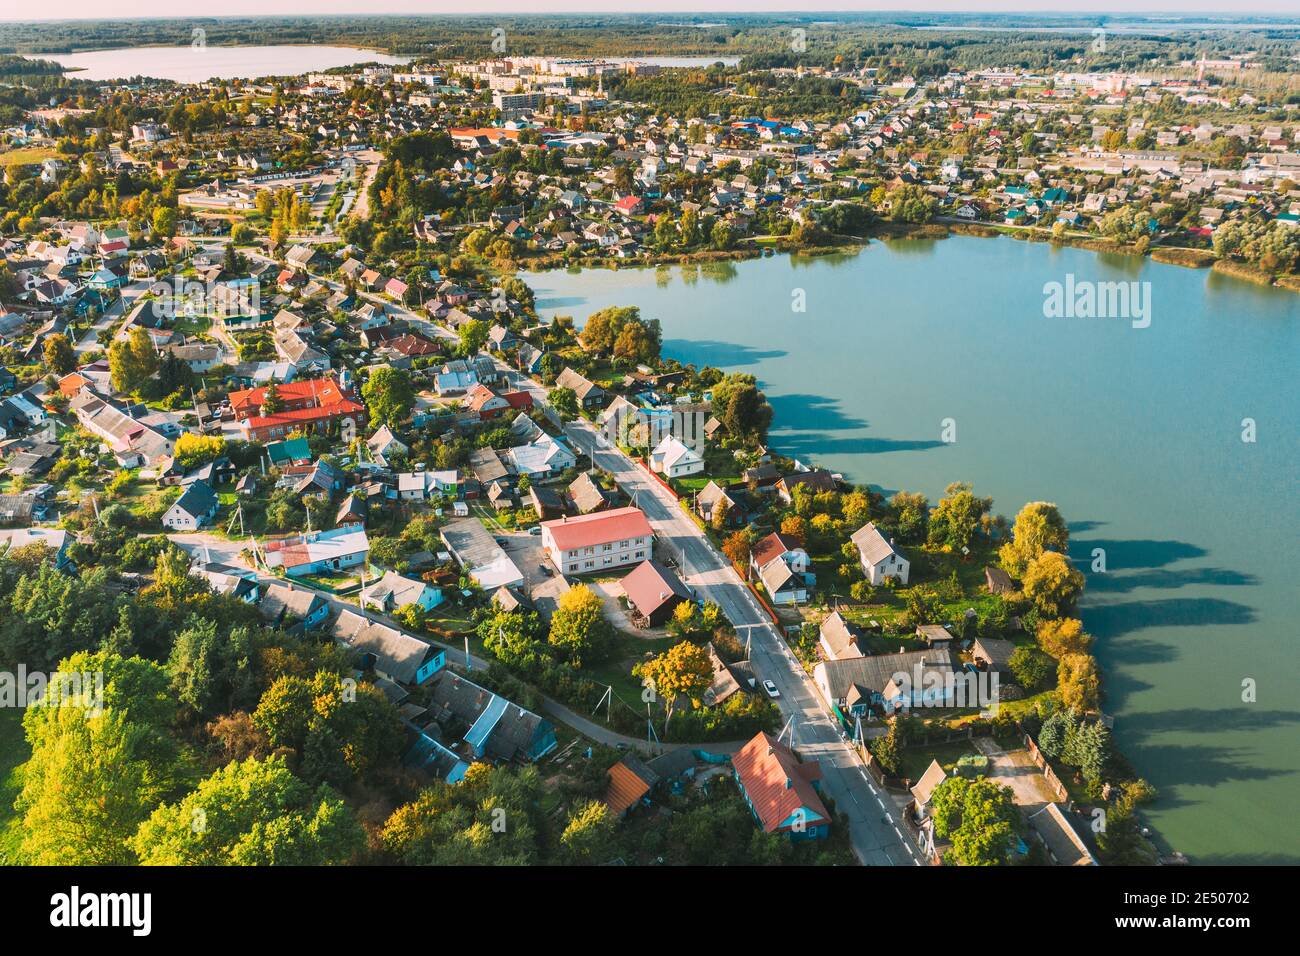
[
  {"x": 644, "y": 466},
  {"x": 1040, "y": 760}
]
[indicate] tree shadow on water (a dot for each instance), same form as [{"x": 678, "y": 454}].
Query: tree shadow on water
[
  {"x": 1115, "y": 620},
  {"x": 804, "y": 424},
  {"x": 1136, "y": 553},
  {"x": 720, "y": 354}
]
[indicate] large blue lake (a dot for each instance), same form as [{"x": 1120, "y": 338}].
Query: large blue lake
[{"x": 1135, "y": 433}]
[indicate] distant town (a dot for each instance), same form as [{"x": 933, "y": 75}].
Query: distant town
[{"x": 341, "y": 529}]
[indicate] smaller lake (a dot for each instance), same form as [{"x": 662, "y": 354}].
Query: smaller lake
[{"x": 188, "y": 64}]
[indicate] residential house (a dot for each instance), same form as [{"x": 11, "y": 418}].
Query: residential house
[
  {"x": 781, "y": 790},
  {"x": 673, "y": 459},
  {"x": 283, "y": 604},
  {"x": 841, "y": 638},
  {"x": 393, "y": 591},
  {"x": 854, "y": 685},
  {"x": 392, "y": 654},
  {"x": 319, "y": 552},
  {"x": 878, "y": 556},
  {"x": 193, "y": 510},
  {"x": 654, "y": 592},
  {"x": 498, "y": 729}
]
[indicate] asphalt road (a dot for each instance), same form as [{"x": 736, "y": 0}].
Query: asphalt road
[{"x": 876, "y": 833}]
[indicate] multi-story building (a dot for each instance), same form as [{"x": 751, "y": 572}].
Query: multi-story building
[{"x": 601, "y": 541}]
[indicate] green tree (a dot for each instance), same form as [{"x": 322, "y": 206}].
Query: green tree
[
  {"x": 565, "y": 401},
  {"x": 132, "y": 361},
  {"x": 254, "y": 813},
  {"x": 101, "y": 761},
  {"x": 957, "y": 517},
  {"x": 590, "y": 836},
  {"x": 579, "y": 626},
  {"x": 1030, "y": 667},
  {"x": 389, "y": 395},
  {"x": 60, "y": 358},
  {"x": 978, "y": 817}
]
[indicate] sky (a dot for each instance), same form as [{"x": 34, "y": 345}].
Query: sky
[{"x": 97, "y": 9}]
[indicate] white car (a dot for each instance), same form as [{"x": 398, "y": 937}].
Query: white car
[{"x": 771, "y": 689}]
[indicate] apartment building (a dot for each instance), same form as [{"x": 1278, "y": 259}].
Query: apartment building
[{"x": 601, "y": 541}]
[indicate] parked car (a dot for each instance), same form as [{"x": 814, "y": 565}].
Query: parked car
[{"x": 771, "y": 689}]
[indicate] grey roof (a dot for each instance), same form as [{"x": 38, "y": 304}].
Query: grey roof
[
  {"x": 871, "y": 544},
  {"x": 874, "y": 673},
  {"x": 279, "y": 600},
  {"x": 775, "y": 575},
  {"x": 841, "y": 635},
  {"x": 199, "y": 500},
  {"x": 587, "y": 496},
  {"x": 994, "y": 650},
  {"x": 397, "y": 654}
]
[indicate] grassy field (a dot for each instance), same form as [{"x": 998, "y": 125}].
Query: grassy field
[
  {"x": 917, "y": 758},
  {"x": 27, "y": 156},
  {"x": 13, "y": 751}
]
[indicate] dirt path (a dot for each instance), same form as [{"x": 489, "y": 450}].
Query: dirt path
[{"x": 1017, "y": 770}]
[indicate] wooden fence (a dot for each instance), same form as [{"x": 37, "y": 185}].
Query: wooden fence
[{"x": 1040, "y": 760}]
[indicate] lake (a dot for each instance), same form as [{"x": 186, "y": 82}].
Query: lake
[
  {"x": 1136, "y": 433},
  {"x": 186, "y": 64}
]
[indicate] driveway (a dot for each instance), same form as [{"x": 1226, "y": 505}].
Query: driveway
[{"x": 1017, "y": 770}]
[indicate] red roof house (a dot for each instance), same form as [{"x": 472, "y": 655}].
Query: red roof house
[{"x": 781, "y": 790}]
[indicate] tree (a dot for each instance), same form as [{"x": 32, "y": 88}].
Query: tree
[
  {"x": 565, "y": 401},
  {"x": 60, "y": 358},
  {"x": 1063, "y": 636},
  {"x": 133, "y": 360},
  {"x": 957, "y": 517},
  {"x": 686, "y": 620},
  {"x": 795, "y": 526},
  {"x": 684, "y": 670},
  {"x": 579, "y": 626},
  {"x": 192, "y": 449},
  {"x": 100, "y": 763},
  {"x": 738, "y": 547},
  {"x": 164, "y": 221},
  {"x": 211, "y": 671},
  {"x": 1078, "y": 682},
  {"x": 590, "y": 836},
  {"x": 254, "y": 813},
  {"x": 911, "y": 514},
  {"x": 603, "y": 327},
  {"x": 460, "y": 825},
  {"x": 272, "y": 401},
  {"x": 1039, "y": 527},
  {"x": 1030, "y": 667},
  {"x": 921, "y": 608},
  {"x": 978, "y": 817},
  {"x": 342, "y": 732},
  {"x": 389, "y": 395},
  {"x": 473, "y": 336},
  {"x": 911, "y": 203},
  {"x": 1052, "y": 584},
  {"x": 741, "y": 406},
  {"x": 1121, "y": 842}
]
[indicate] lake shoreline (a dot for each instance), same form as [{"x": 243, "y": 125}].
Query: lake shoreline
[
  {"x": 1130, "y": 602},
  {"x": 1182, "y": 256}
]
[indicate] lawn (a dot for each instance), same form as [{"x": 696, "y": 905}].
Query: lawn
[
  {"x": 617, "y": 671},
  {"x": 27, "y": 155},
  {"x": 917, "y": 758},
  {"x": 13, "y": 751}
]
